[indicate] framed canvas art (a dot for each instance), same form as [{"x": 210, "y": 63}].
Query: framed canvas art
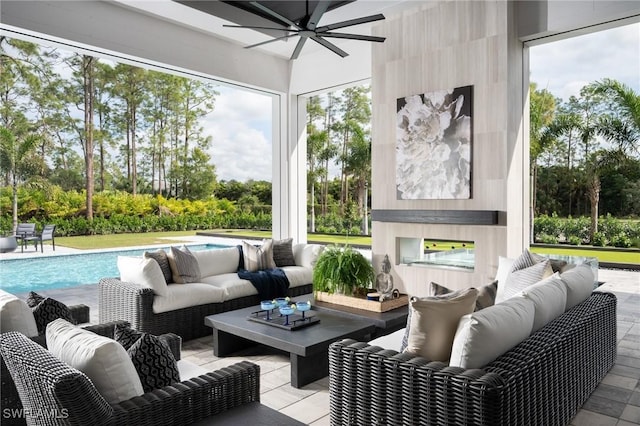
[{"x": 433, "y": 145}]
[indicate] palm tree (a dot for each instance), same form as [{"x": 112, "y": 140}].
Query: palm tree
[{"x": 13, "y": 152}]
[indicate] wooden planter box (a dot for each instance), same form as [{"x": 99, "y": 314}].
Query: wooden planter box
[{"x": 361, "y": 302}]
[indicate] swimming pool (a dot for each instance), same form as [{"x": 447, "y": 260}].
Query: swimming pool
[{"x": 53, "y": 272}]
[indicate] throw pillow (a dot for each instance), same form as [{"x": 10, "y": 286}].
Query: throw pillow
[
  {"x": 143, "y": 271},
  {"x": 160, "y": 256},
  {"x": 556, "y": 264},
  {"x": 154, "y": 362},
  {"x": 434, "y": 323},
  {"x": 184, "y": 266},
  {"x": 520, "y": 279},
  {"x": 549, "y": 297},
  {"x": 525, "y": 260},
  {"x": 258, "y": 258},
  {"x": 103, "y": 360},
  {"x": 125, "y": 335},
  {"x": 283, "y": 253},
  {"x": 34, "y": 299},
  {"x": 486, "y": 293},
  {"x": 49, "y": 310},
  {"x": 15, "y": 315},
  {"x": 579, "y": 282},
  {"x": 504, "y": 267},
  {"x": 483, "y": 336}
]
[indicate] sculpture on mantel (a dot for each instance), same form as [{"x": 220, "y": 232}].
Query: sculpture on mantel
[{"x": 384, "y": 280}]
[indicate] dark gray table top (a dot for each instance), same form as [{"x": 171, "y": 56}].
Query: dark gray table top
[{"x": 305, "y": 341}]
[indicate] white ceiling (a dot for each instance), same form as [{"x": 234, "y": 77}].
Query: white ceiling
[{"x": 189, "y": 17}]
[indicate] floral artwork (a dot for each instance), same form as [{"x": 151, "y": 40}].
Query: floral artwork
[{"x": 433, "y": 145}]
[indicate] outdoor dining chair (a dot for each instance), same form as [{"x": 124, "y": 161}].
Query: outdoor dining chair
[
  {"x": 47, "y": 234},
  {"x": 25, "y": 231}
]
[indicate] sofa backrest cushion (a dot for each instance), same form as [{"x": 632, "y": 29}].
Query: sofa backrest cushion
[
  {"x": 307, "y": 254},
  {"x": 504, "y": 267},
  {"x": 579, "y": 282},
  {"x": 103, "y": 360},
  {"x": 484, "y": 335},
  {"x": 15, "y": 315},
  {"x": 549, "y": 297},
  {"x": 184, "y": 265},
  {"x": 217, "y": 261},
  {"x": 434, "y": 322},
  {"x": 143, "y": 271}
]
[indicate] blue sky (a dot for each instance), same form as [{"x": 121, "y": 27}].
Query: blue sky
[{"x": 241, "y": 123}]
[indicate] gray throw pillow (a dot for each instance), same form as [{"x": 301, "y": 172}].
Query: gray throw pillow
[
  {"x": 283, "y": 253},
  {"x": 161, "y": 257},
  {"x": 486, "y": 294},
  {"x": 184, "y": 266},
  {"x": 258, "y": 258}
]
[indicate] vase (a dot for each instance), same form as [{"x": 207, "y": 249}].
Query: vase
[{"x": 8, "y": 244}]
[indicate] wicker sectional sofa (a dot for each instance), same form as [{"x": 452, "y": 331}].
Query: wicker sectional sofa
[
  {"x": 183, "y": 308},
  {"x": 543, "y": 380}
]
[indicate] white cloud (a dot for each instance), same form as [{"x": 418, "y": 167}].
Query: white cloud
[
  {"x": 241, "y": 129},
  {"x": 564, "y": 67}
]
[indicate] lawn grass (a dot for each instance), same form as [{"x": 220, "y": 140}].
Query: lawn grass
[{"x": 149, "y": 238}]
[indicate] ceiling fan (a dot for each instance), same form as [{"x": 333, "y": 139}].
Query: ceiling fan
[{"x": 307, "y": 27}]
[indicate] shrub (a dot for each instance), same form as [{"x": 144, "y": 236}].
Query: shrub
[
  {"x": 621, "y": 240},
  {"x": 599, "y": 239},
  {"x": 547, "y": 239},
  {"x": 574, "y": 240}
]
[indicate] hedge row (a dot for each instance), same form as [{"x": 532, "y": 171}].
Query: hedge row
[{"x": 575, "y": 231}]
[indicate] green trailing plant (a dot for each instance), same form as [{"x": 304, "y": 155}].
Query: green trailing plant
[{"x": 342, "y": 269}]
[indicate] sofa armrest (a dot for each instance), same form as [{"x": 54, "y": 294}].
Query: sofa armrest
[
  {"x": 119, "y": 300},
  {"x": 192, "y": 400}
]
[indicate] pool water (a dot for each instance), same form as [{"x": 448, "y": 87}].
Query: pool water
[{"x": 53, "y": 272}]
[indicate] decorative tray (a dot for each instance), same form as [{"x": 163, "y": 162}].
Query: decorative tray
[{"x": 276, "y": 320}]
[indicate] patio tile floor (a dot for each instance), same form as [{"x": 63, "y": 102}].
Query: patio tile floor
[{"x": 615, "y": 402}]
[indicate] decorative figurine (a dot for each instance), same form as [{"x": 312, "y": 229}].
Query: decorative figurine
[{"x": 384, "y": 280}]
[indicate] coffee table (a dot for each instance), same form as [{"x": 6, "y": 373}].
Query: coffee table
[{"x": 308, "y": 347}]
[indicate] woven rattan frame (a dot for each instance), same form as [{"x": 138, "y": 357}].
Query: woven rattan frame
[
  {"x": 133, "y": 303},
  {"x": 47, "y": 385},
  {"x": 542, "y": 381}
]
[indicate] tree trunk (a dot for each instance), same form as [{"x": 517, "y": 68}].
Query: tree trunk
[
  {"x": 134, "y": 167},
  {"x": 88, "y": 63},
  {"x": 594, "y": 198}
]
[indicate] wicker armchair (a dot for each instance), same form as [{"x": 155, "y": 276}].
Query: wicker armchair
[
  {"x": 542, "y": 381},
  {"x": 54, "y": 393}
]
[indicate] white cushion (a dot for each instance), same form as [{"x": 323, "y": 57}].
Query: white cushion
[
  {"x": 231, "y": 285},
  {"x": 185, "y": 295},
  {"x": 486, "y": 334},
  {"x": 549, "y": 298},
  {"x": 217, "y": 261},
  {"x": 390, "y": 341},
  {"x": 189, "y": 370},
  {"x": 298, "y": 275},
  {"x": 504, "y": 267},
  {"x": 143, "y": 271},
  {"x": 16, "y": 315},
  {"x": 103, "y": 360},
  {"x": 579, "y": 282},
  {"x": 307, "y": 254}
]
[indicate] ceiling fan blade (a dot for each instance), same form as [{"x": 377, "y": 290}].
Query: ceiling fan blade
[
  {"x": 251, "y": 27},
  {"x": 352, "y": 36},
  {"x": 320, "y": 9},
  {"x": 274, "y": 14},
  {"x": 271, "y": 41},
  {"x": 350, "y": 22},
  {"x": 296, "y": 51},
  {"x": 335, "y": 49}
]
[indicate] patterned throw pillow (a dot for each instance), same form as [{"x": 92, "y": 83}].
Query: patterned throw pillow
[
  {"x": 557, "y": 265},
  {"x": 486, "y": 294},
  {"x": 125, "y": 335},
  {"x": 184, "y": 266},
  {"x": 34, "y": 299},
  {"x": 161, "y": 257},
  {"x": 49, "y": 310},
  {"x": 520, "y": 279},
  {"x": 258, "y": 258},
  {"x": 283, "y": 253},
  {"x": 154, "y": 362}
]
